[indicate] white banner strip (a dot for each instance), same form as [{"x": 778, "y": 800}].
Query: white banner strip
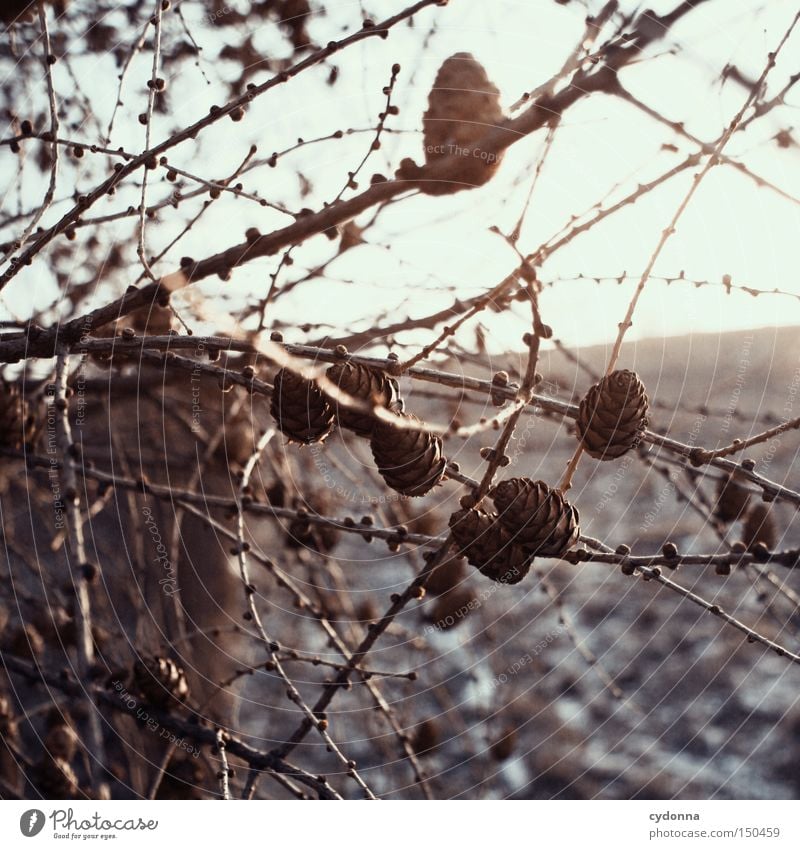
[{"x": 394, "y": 825}]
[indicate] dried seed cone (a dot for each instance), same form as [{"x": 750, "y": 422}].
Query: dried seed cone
[
  {"x": 160, "y": 680},
  {"x": 489, "y": 547},
  {"x": 537, "y": 517},
  {"x": 17, "y": 423},
  {"x": 613, "y": 415},
  {"x": 410, "y": 461},
  {"x": 501, "y": 559},
  {"x": 760, "y": 527},
  {"x": 366, "y": 384},
  {"x": 463, "y": 106},
  {"x": 301, "y": 411},
  {"x": 732, "y": 499}
]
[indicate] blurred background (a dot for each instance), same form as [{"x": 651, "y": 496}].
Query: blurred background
[{"x": 579, "y": 682}]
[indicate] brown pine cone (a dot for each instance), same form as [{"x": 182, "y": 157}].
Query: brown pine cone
[
  {"x": 17, "y": 423},
  {"x": 502, "y": 560},
  {"x": 759, "y": 526},
  {"x": 489, "y": 547},
  {"x": 536, "y": 516},
  {"x": 732, "y": 499},
  {"x": 410, "y": 461},
  {"x": 159, "y": 680},
  {"x": 463, "y": 106},
  {"x": 301, "y": 411},
  {"x": 613, "y": 415},
  {"x": 366, "y": 384},
  {"x": 468, "y": 527}
]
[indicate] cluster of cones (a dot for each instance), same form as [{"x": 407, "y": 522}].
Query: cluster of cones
[
  {"x": 530, "y": 519},
  {"x": 409, "y": 458},
  {"x": 158, "y": 680}
]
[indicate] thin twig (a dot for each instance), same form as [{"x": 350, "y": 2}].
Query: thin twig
[
  {"x": 702, "y": 456},
  {"x": 569, "y": 627},
  {"x": 76, "y": 561},
  {"x": 181, "y": 727},
  {"x": 224, "y": 773},
  {"x": 190, "y": 132},
  {"x": 498, "y": 454},
  {"x": 141, "y": 249}
]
